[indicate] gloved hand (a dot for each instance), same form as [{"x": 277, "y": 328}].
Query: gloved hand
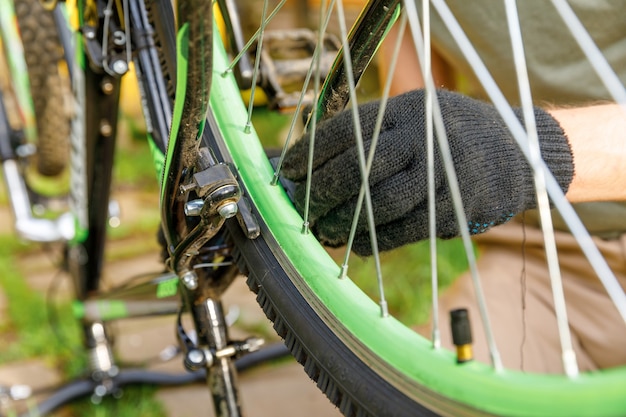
[{"x": 495, "y": 180}]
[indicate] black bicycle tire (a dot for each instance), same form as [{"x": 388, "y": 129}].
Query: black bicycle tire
[
  {"x": 340, "y": 373},
  {"x": 43, "y": 53}
]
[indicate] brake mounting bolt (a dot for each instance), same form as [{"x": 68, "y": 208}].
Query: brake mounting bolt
[
  {"x": 228, "y": 210},
  {"x": 194, "y": 207},
  {"x": 190, "y": 280},
  {"x": 120, "y": 67}
]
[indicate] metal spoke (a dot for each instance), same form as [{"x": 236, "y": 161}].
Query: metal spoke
[
  {"x": 595, "y": 58},
  {"x": 361, "y": 155},
  {"x": 257, "y": 65},
  {"x": 374, "y": 144},
  {"x": 375, "y": 137},
  {"x": 253, "y": 38},
  {"x": 455, "y": 192},
  {"x": 430, "y": 165},
  {"x": 316, "y": 53},
  {"x": 313, "y": 122},
  {"x": 577, "y": 229},
  {"x": 554, "y": 272}
]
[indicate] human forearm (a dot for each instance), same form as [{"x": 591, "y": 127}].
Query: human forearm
[{"x": 597, "y": 135}]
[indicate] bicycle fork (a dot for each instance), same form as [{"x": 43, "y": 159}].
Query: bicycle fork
[
  {"x": 203, "y": 286},
  {"x": 216, "y": 352}
]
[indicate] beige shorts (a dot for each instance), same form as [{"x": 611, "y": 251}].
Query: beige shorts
[{"x": 519, "y": 301}]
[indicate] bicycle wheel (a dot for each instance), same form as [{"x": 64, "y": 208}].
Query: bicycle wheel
[
  {"x": 49, "y": 85},
  {"x": 368, "y": 364}
]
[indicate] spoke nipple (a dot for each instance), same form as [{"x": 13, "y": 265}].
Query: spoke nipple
[
  {"x": 305, "y": 228},
  {"x": 247, "y": 128},
  {"x": 344, "y": 271},
  {"x": 569, "y": 363},
  {"x": 384, "y": 309},
  {"x": 496, "y": 360},
  {"x": 436, "y": 338}
]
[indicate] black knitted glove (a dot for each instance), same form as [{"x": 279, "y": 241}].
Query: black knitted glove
[{"x": 495, "y": 180}]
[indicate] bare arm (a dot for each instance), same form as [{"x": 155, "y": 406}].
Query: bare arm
[{"x": 597, "y": 135}]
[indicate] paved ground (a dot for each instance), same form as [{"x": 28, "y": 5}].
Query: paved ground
[{"x": 276, "y": 389}]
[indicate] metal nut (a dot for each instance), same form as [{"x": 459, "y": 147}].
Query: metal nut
[
  {"x": 190, "y": 280},
  {"x": 195, "y": 356},
  {"x": 228, "y": 210},
  {"x": 194, "y": 207},
  {"x": 120, "y": 67}
]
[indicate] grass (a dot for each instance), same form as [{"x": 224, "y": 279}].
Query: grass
[
  {"x": 133, "y": 161},
  {"x": 57, "y": 342},
  {"x": 25, "y": 312},
  {"x": 136, "y": 401},
  {"x": 406, "y": 277}
]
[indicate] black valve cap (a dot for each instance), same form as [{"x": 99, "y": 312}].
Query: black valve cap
[
  {"x": 461, "y": 334},
  {"x": 461, "y": 330}
]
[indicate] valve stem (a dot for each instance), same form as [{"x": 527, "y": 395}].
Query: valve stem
[{"x": 461, "y": 334}]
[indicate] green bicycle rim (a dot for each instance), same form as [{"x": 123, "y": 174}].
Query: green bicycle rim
[{"x": 474, "y": 384}]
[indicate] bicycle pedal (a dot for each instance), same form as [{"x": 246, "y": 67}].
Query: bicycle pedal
[
  {"x": 15, "y": 392},
  {"x": 285, "y": 60}
]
